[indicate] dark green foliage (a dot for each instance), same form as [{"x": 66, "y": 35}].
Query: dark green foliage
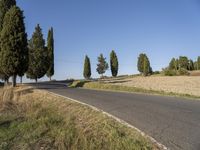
[
  {"x": 50, "y": 46},
  {"x": 191, "y": 65},
  {"x": 114, "y": 63},
  {"x": 195, "y": 65},
  {"x": 198, "y": 63},
  {"x": 140, "y": 63},
  {"x": 183, "y": 71},
  {"x": 5, "y": 5},
  {"x": 172, "y": 64},
  {"x": 144, "y": 66},
  {"x": 183, "y": 62},
  {"x": 102, "y": 65},
  {"x": 169, "y": 72},
  {"x": 14, "y": 52},
  {"x": 87, "y": 68},
  {"x": 38, "y": 55}
]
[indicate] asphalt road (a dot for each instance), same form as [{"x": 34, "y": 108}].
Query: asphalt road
[{"x": 174, "y": 122}]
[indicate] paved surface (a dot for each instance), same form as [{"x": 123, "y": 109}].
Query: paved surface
[{"x": 174, "y": 122}]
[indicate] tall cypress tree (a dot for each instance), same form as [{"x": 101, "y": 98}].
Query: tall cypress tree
[
  {"x": 140, "y": 64},
  {"x": 5, "y": 5},
  {"x": 50, "y": 47},
  {"x": 38, "y": 55},
  {"x": 87, "y": 68},
  {"x": 114, "y": 63},
  {"x": 13, "y": 43}
]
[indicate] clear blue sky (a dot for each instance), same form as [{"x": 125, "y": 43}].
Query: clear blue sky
[{"x": 160, "y": 28}]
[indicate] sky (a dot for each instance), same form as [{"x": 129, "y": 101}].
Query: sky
[{"x": 160, "y": 28}]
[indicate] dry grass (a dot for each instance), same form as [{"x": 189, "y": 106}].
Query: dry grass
[
  {"x": 34, "y": 119},
  {"x": 177, "y": 84}
]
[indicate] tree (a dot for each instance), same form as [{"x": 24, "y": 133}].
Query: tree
[
  {"x": 50, "y": 47},
  {"x": 102, "y": 66},
  {"x": 198, "y": 63},
  {"x": 191, "y": 65},
  {"x": 195, "y": 65},
  {"x": 87, "y": 68},
  {"x": 144, "y": 66},
  {"x": 5, "y": 5},
  {"x": 172, "y": 64},
  {"x": 38, "y": 55},
  {"x": 114, "y": 63},
  {"x": 140, "y": 63},
  {"x": 183, "y": 62},
  {"x": 14, "y": 50}
]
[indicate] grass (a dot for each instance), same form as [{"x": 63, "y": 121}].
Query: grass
[
  {"x": 110, "y": 87},
  {"x": 33, "y": 119}
]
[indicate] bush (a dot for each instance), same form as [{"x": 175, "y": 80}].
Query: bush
[
  {"x": 183, "y": 71},
  {"x": 168, "y": 72}
]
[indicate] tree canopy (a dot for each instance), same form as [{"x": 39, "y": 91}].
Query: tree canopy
[{"x": 114, "y": 63}]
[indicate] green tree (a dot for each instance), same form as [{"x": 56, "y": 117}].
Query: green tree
[
  {"x": 87, "y": 68},
  {"x": 5, "y": 5},
  {"x": 13, "y": 43},
  {"x": 144, "y": 66},
  {"x": 102, "y": 65},
  {"x": 50, "y": 46},
  {"x": 198, "y": 63},
  {"x": 172, "y": 64},
  {"x": 140, "y": 63},
  {"x": 114, "y": 63},
  {"x": 183, "y": 62},
  {"x": 191, "y": 65},
  {"x": 38, "y": 55},
  {"x": 195, "y": 65}
]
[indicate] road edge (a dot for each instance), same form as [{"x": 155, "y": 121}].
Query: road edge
[{"x": 115, "y": 118}]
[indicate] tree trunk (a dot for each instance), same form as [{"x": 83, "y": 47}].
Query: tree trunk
[
  {"x": 14, "y": 81},
  {"x": 50, "y": 78},
  {"x": 5, "y": 82},
  {"x": 35, "y": 80},
  {"x": 21, "y": 79}
]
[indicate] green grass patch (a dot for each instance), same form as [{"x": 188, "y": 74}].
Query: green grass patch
[{"x": 56, "y": 123}]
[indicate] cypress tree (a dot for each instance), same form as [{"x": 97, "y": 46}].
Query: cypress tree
[
  {"x": 140, "y": 64},
  {"x": 114, "y": 63},
  {"x": 13, "y": 43},
  {"x": 50, "y": 46},
  {"x": 144, "y": 66},
  {"x": 102, "y": 65},
  {"x": 87, "y": 68},
  {"x": 5, "y": 5},
  {"x": 38, "y": 55}
]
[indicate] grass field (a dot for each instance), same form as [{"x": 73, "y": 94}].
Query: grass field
[
  {"x": 34, "y": 119},
  {"x": 184, "y": 86}
]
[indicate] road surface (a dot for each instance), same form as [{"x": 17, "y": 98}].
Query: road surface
[{"x": 174, "y": 122}]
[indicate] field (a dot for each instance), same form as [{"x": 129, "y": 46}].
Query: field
[
  {"x": 189, "y": 85},
  {"x": 35, "y": 119},
  {"x": 182, "y": 86}
]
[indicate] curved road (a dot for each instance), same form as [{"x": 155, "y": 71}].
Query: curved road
[{"x": 174, "y": 122}]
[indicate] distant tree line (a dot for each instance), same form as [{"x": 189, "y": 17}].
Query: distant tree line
[
  {"x": 182, "y": 66},
  {"x": 18, "y": 56}
]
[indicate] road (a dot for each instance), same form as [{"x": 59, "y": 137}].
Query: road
[{"x": 174, "y": 122}]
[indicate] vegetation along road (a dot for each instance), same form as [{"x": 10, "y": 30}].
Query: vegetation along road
[{"x": 174, "y": 122}]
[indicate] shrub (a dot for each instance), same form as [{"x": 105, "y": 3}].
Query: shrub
[
  {"x": 183, "y": 71},
  {"x": 168, "y": 72}
]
